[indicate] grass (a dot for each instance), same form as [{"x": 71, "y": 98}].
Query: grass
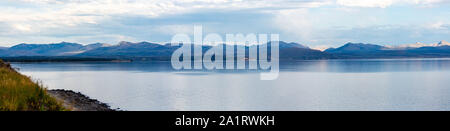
[{"x": 20, "y": 93}]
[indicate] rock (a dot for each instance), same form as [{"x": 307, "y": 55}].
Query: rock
[{"x": 78, "y": 102}]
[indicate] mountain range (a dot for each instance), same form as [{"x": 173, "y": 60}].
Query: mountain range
[
  {"x": 288, "y": 51},
  {"x": 418, "y": 45},
  {"x": 362, "y": 51}
]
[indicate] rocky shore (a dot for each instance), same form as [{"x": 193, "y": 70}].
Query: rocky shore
[
  {"x": 70, "y": 100},
  {"x": 76, "y": 101}
]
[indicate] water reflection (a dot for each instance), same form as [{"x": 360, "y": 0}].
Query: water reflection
[
  {"x": 418, "y": 84},
  {"x": 396, "y": 65}
]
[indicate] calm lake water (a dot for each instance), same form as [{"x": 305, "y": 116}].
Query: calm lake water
[{"x": 399, "y": 84}]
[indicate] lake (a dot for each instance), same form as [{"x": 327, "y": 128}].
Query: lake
[{"x": 382, "y": 84}]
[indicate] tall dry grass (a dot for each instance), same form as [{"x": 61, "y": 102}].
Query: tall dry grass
[{"x": 20, "y": 93}]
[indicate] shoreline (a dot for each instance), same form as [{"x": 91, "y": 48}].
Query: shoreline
[
  {"x": 75, "y": 101},
  {"x": 19, "y": 93},
  {"x": 70, "y": 100}
]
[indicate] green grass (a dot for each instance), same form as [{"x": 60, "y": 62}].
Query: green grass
[{"x": 20, "y": 93}]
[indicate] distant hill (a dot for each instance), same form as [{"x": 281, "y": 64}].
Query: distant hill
[
  {"x": 443, "y": 43},
  {"x": 363, "y": 51},
  {"x": 96, "y": 45},
  {"x": 55, "y": 49},
  {"x": 153, "y": 51},
  {"x": 283, "y": 45},
  {"x": 145, "y": 49},
  {"x": 295, "y": 51},
  {"x": 419, "y": 45},
  {"x": 303, "y": 54},
  {"x": 438, "y": 51},
  {"x": 128, "y": 49},
  {"x": 356, "y": 48}
]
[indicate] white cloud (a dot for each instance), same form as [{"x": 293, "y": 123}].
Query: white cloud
[
  {"x": 426, "y": 1},
  {"x": 385, "y": 3},
  {"x": 174, "y": 29},
  {"x": 295, "y": 21},
  {"x": 22, "y": 27},
  {"x": 45, "y": 16},
  {"x": 60, "y": 13},
  {"x": 366, "y": 3},
  {"x": 439, "y": 25},
  {"x": 73, "y": 20}
]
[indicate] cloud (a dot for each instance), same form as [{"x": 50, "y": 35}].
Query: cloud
[
  {"x": 89, "y": 21},
  {"x": 439, "y": 25},
  {"x": 22, "y": 27},
  {"x": 44, "y": 14},
  {"x": 297, "y": 22},
  {"x": 385, "y": 3},
  {"x": 393, "y": 34},
  {"x": 426, "y": 2},
  {"x": 366, "y": 3}
]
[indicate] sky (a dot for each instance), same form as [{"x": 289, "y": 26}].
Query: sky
[{"x": 316, "y": 23}]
